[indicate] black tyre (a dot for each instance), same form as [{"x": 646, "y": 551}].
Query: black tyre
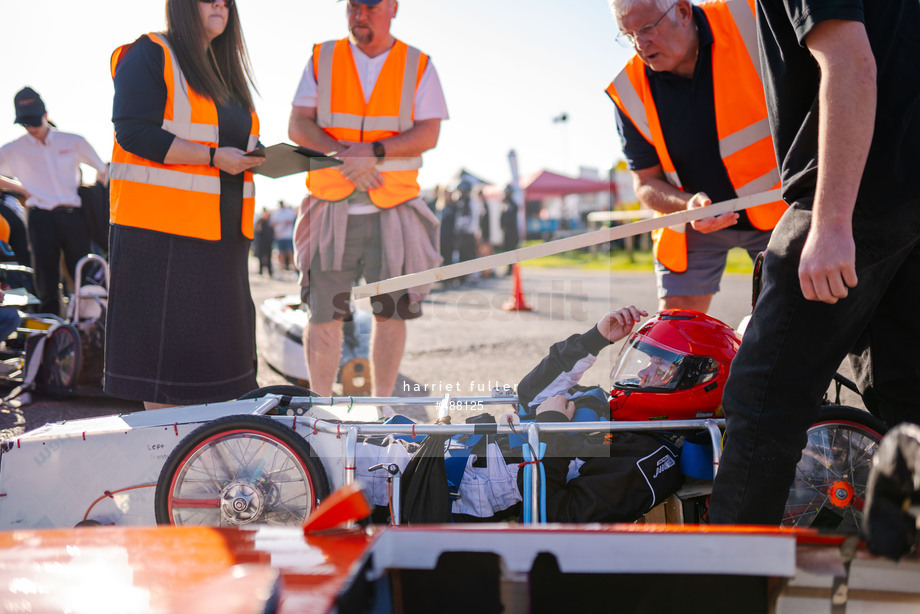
[
  {"x": 62, "y": 359},
  {"x": 240, "y": 470},
  {"x": 830, "y": 479}
]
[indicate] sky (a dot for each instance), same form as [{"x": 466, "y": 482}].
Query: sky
[{"x": 508, "y": 68}]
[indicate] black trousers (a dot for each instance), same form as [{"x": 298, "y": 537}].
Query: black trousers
[
  {"x": 60, "y": 230},
  {"x": 792, "y": 347}
]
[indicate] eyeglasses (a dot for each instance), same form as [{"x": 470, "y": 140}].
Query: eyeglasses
[
  {"x": 631, "y": 39},
  {"x": 227, "y": 3}
]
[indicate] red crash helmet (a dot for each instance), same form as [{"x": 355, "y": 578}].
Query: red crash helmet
[{"x": 673, "y": 368}]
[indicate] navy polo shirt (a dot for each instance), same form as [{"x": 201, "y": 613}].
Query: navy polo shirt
[{"x": 686, "y": 109}]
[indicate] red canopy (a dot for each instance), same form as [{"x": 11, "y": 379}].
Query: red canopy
[{"x": 544, "y": 184}]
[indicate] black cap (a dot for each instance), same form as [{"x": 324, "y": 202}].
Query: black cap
[{"x": 29, "y": 107}]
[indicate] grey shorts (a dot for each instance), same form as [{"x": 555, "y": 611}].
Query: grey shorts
[
  {"x": 329, "y": 293},
  {"x": 707, "y": 254}
]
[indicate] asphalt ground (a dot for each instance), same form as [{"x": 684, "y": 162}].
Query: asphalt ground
[{"x": 465, "y": 344}]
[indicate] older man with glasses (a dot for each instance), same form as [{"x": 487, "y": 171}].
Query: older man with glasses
[{"x": 693, "y": 123}]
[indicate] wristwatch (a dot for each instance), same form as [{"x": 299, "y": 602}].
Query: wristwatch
[{"x": 379, "y": 151}]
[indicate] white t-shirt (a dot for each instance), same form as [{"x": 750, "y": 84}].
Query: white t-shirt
[
  {"x": 429, "y": 97},
  {"x": 282, "y": 222},
  {"x": 50, "y": 171}
]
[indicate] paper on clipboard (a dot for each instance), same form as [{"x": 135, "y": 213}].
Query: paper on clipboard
[{"x": 283, "y": 159}]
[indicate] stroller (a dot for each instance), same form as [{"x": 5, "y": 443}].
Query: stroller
[{"x": 54, "y": 355}]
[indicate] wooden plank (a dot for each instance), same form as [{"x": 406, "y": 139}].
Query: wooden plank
[{"x": 550, "y": 248}]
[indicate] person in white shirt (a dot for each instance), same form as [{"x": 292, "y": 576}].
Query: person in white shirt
[
  {"x": 44, "y": 165},
  {"x": 378, "y": 106},
  {"x": 282, "y": 221}
]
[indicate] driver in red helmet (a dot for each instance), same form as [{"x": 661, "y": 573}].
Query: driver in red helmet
[
  {"x": 600, "y": 477},
  {"x": 673, "y": 367}
]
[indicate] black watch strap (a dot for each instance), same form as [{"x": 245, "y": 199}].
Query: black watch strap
[{"x": 379, "y": 151}]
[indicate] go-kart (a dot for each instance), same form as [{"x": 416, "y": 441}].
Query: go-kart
[
  {"x": 272, "y": 459},
  {"x": 266, "y": 460}
]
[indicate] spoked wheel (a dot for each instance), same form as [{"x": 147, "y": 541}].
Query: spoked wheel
[
  {"x": 830, "y": 480},
  {"x": 240, "y": 470},
  {"x": 61, "y": 361}
]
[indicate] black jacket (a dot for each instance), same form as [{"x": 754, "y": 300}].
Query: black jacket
[{"x": 620, "y": 475}]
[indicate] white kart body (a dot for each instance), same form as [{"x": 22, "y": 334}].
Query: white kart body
[
  {"x": 281, "y": 332},
  {"x": 281, "y": 326},
  {"x": 51, "y": 477}
]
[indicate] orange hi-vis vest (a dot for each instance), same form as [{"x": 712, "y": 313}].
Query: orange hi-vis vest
[
  {"x": 343, "y": 114},
  {"x": 743, "y": 129},
  {"x": 179, "y": 199}
]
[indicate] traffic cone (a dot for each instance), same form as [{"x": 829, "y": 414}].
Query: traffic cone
[{"x": 517, "y": 302}]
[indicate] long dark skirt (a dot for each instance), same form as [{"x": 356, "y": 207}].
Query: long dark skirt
[{"x": 181, "y": 322}]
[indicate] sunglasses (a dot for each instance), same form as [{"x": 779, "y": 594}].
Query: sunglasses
[
  {"x": 33, "y": 122},
  {"x": 227, "y": 3}
]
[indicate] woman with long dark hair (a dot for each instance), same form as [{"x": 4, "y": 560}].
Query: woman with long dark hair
[{"x": 180, "y": 327}]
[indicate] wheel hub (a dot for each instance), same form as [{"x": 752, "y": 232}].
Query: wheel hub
[
  {"x": 241, "y": 503},
  {"x": 841, "y": 494}
]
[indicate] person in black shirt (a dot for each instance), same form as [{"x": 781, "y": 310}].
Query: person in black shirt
[
  {"x": 509, "y": 223},
  {"x": 843, "y": 266}
]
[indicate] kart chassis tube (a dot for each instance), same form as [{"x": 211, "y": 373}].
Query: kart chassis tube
[{"x": 532, "y": 429}]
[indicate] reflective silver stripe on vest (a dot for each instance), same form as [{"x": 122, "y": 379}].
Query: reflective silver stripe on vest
[
  {"x": 633, "y": 104},
  {"x": 360, "y": 122},
  {"x": 192, "y": 132},
  {"x": 249, "y": 189},
  {"x": 761, "y": 184},
  {"x": 345, "y": 120},
  {"x": 390, "y": 124},
  {"x": 743, "y": 138},
  {"x": 400, "y": 164},
  {"x": 165, "y": 178},
  {"x": 746, "y": 23},
  {"x": 324, "y": 85},
  {"x": 673, "y": 179},
  {"x": 407, "y": 100},
  {"x": 181, "y": 124}
]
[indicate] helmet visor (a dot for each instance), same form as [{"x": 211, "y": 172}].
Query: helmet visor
[
  {"x": 647, "y": 365},
  {"x": 643, "y": 365}
]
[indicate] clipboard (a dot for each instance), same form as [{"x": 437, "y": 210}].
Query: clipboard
[{"x": 283, "y": 159}]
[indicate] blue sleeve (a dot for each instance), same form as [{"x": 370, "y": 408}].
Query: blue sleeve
[
  {"x": 639, "y": 152},
  {"x": 140, "y": 101}
]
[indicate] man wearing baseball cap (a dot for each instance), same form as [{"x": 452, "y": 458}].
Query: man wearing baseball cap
[
  {"x": 44, "y": 165},
  {"x": 377, "y": 104}
]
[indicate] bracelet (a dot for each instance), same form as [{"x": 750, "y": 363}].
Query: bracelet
[{"x": 213, "y": 151}]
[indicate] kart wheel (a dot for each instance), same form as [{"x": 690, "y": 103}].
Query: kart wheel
[
  {"x": 830, "y": 479},
  {"x": 61, "y": 361},
  {"x": 240, "y": 470}
]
